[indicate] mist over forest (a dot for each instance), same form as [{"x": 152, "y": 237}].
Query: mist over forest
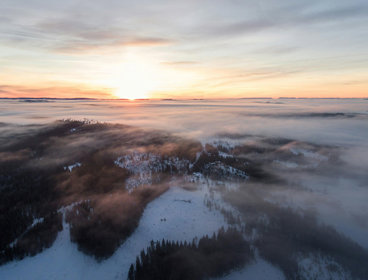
[{"x": 175, "y": 189}]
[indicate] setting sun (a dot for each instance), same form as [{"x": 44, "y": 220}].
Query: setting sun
[{"x": 135, "y": 79}]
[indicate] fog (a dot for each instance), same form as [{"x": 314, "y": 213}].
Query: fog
[
  {"x": 329, "y": 121},
  {"x": 296, "y": 159}
]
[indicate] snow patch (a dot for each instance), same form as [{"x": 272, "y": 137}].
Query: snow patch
[
  {"x": 70, "y": 167},
  {"x": 224, "y": 171},
  {"x": 308, "y": 154},
  {"x": 227, "y": 144},
  {"x": 260, "y": 270},
  {"x": 143, "y": 165},
  {"x": 321, "y": 268},
  {"x": 225, "y": 155},
  {"x": 286, "y": 164}
]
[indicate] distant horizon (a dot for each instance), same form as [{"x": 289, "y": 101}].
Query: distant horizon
[{"x": 175, "y": 99}]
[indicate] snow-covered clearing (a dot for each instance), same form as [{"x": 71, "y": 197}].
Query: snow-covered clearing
[{"x": 184, "y": 221}]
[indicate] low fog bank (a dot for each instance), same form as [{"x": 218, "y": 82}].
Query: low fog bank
[
  {"x": 293, "y": 174},
  {"x": 330, "y": 181},
  {"x": 327, "y": 121}
]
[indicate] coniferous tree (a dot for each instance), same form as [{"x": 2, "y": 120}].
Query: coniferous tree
[
  {"x": 131, "y": 273},
  {"x": 137, "y": 268}
]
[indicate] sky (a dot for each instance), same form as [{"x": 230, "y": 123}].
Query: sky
[{"x": 183, "y": 49}]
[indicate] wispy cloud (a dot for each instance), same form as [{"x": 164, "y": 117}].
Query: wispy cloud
[
  {"x": 79, "y": 46},
  {"x": 52, "y": 91},
  {"x": 290, "y": 17},
  {"x": 76, "y": 37}
]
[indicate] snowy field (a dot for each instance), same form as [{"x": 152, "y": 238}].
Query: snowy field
[{"x": 171, "y": 216}]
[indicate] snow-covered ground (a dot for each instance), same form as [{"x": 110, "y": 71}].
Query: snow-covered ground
[
  {"x": 72, "y": 166},
  {"x": 258, "y": 270},
  {"x": 319, "y": 267},
  {"x": 178, "y": 214},
  {"x": 170, "y": 216},
  {"x": 143, "y": 165}
]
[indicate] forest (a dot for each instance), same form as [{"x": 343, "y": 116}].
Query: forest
[{"x": 200, "y": 259}]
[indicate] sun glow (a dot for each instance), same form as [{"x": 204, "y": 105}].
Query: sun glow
[
  {"x": 135, "y": 79},
  {"x": 140, "y": 75}
]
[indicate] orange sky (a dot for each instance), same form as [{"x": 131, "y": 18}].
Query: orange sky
[{"x": 172, "y": 49}]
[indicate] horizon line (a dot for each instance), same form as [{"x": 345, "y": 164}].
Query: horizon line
[{"x": 170, "y": 99}]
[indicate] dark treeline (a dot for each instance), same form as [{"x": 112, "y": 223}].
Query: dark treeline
[
  {"x": 209, "y": 257},
  {"x": 33, "y": 241},
  {"x": 25, "y": 195}
]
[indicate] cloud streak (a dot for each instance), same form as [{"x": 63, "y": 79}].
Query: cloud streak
[
  {"x": 290, "y": 17},
  {"x": 52, "y": 91}
]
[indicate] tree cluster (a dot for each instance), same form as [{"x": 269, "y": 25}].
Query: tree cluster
[
  {"x": 208, "y": 257},
  {"x": 33, "y": 241}
]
